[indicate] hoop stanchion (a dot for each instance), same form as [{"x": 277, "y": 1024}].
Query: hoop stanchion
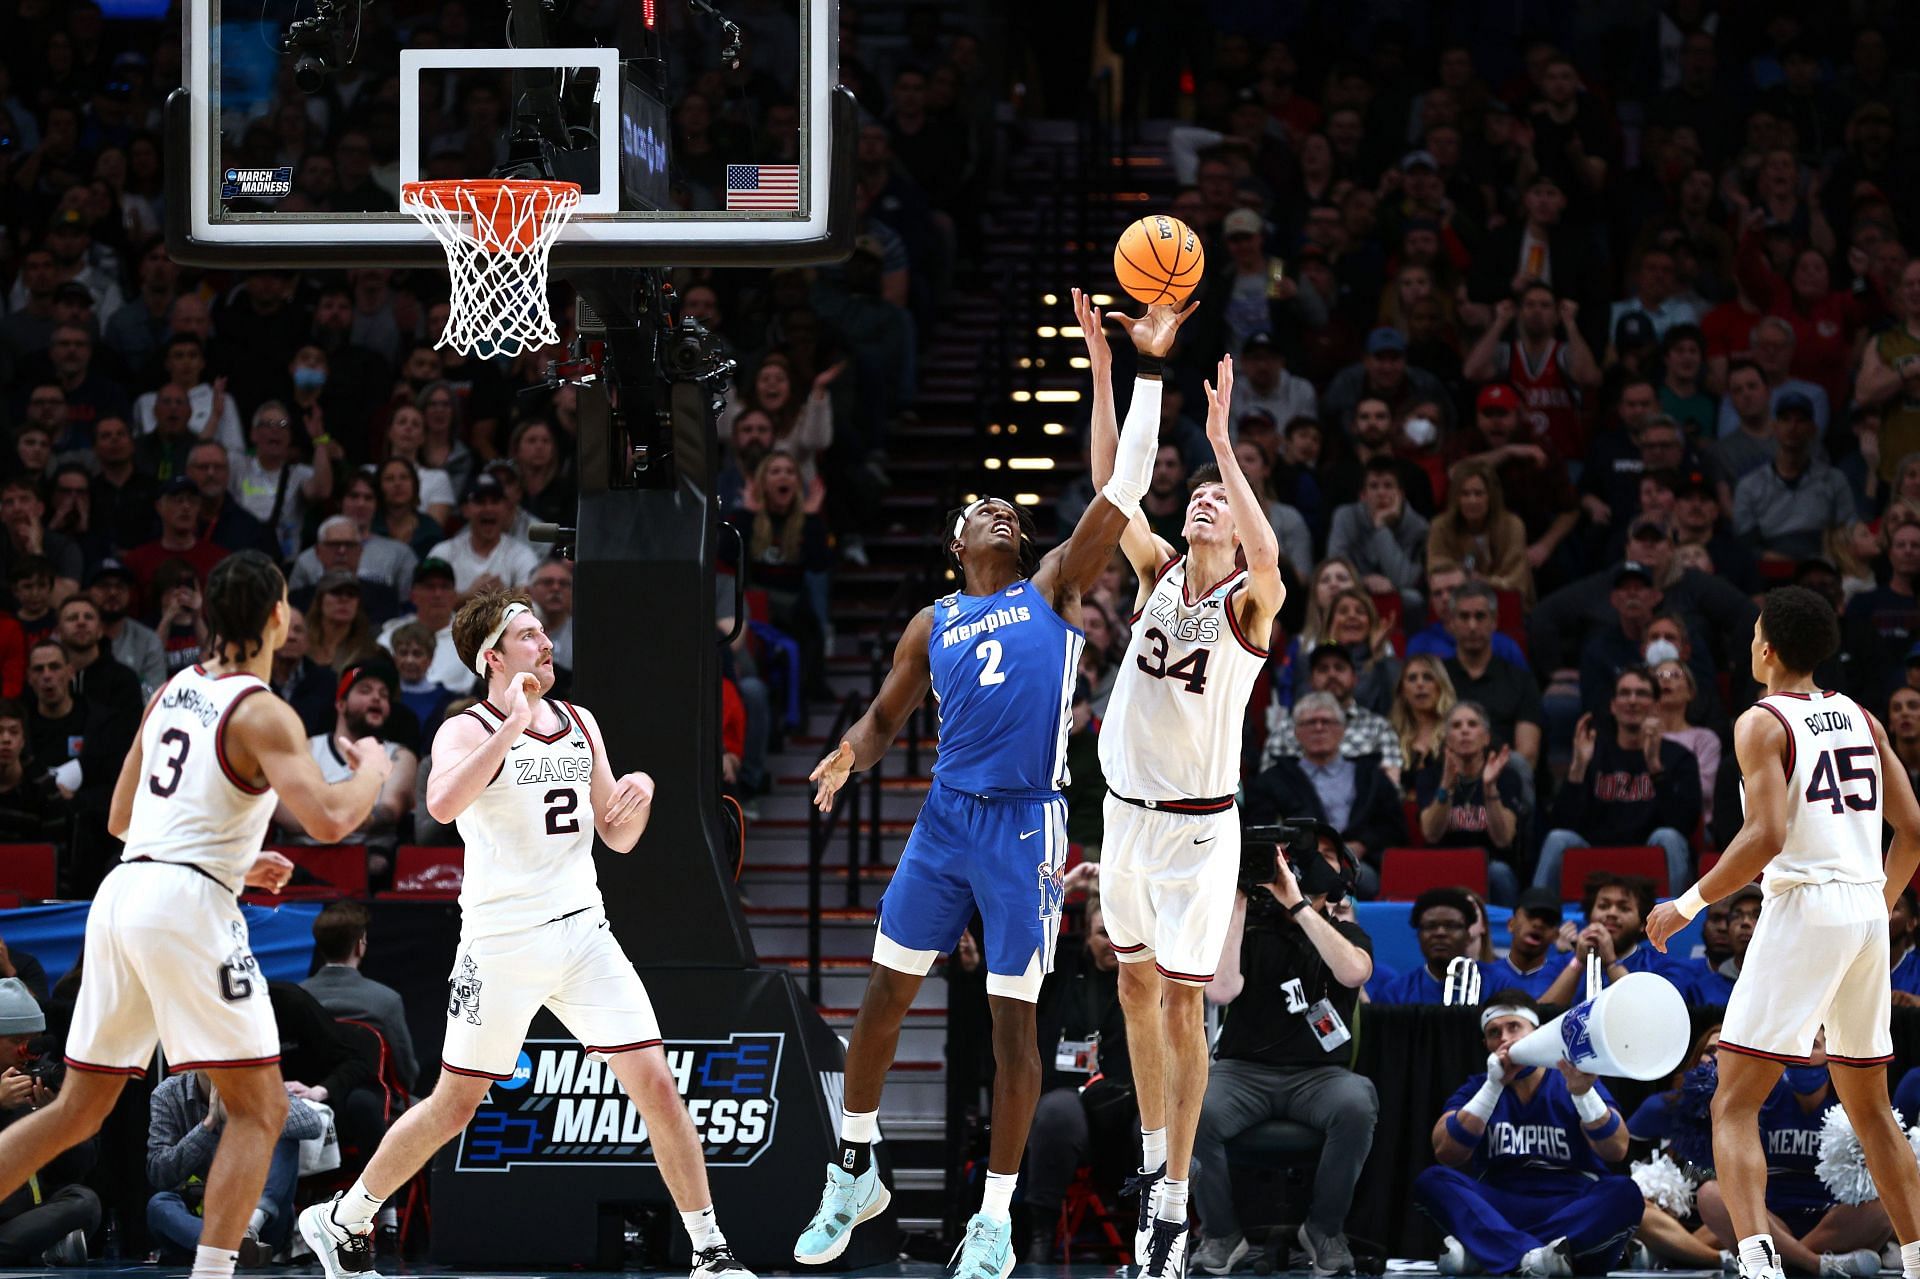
[{"x": 497, "y": 234}]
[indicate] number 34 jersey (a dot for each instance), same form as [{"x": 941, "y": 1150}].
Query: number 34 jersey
[
  {"x": 529, "y": 834},
  {"x": 1003, "y": 668},
  {"x": 1174, "y": 722},
  {"x": 1834, "y": 807}
]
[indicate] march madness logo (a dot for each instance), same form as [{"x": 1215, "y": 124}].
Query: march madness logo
[
  {"x": 242, "y": 184},
  {"x": 561, "y": 1107}
]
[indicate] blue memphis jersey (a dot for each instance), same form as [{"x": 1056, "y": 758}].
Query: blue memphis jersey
[
  {"x": 1792, "y": 1138},
  {"x": 1502, "y": 975},
  {"x": 1528, "y": 1138},
  {"x": 1003, "y": 669}
]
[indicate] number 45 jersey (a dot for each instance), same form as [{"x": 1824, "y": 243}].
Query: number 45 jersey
[
  {"x": 1173, "y": 724},
  {"x": 1834, "y": 807},
  {"x": 1003, "y": 668}
]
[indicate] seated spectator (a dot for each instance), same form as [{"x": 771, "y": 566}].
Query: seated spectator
[
  {"x": 1164, "y": 504},
  {"x": 300, "y": 681},
  {"x": 413, "y": 646},
  {"x": 161, "y": 454},
  {"x": 1677, "y": 693},
  {"x": 1270, "y": 1063},
  {"x": 1903, "y": 958},
  {"x": 70, "y": 515},
  {"x": 46, "y": 1221},
  {"x": 121, "y": 495},
  {"x": 24, "y": 532},
  {"x": 1657, "y": 296},
  {"x": 342, "y": 548},
  {"x": 788, "y": 548},
  {"x": 1435, "y": 639},
  {"x": 1622, "y": 645},
  {"x": 1522, "y": 1183},
  {"x": 442, "y": 408},
  {"x": 339, "y": 631},
  {"x": 406, "y": 437},
  {"x": 1532, "y": 930},
  {"x": 212, "y": 414},
  {"x": 1289, "y": 525},
  {"x": 381, "y": 559},
  {"x": 1813, "y": 1233},
  {"x": 56, "y": 721},
  {"x": 1697, "y": 522},
  {"x": 1882, "y": 624},
  {"x": 1383, "y": 537},
  {"x": 31, "y": 809},
  {"x": 180, "y": 537},
  {"x": 321, "y": 1063},
  {"x": 1262, "y": 382},
  {"x": 1708, "y": 984},
  {"x": 1353, "y": 796},
  {"x": 1086, "y": 1111},
  {"x": 552, "y": 590},
  {"x": 482, "y": 556},
  {"x": 133, "y": 643},
  {"x": 433, "y": 598},
  {"x": 1383, "y": 374},
  {"x": 31, "y": 581},
  {"x": 1522, "y": 346},
  {"x": 1531, "y": 470},
  {"x": 1616, "y": 907},
  {"x": 1747, "y": 442},
  {"x": 402, "y": 518},
  {"x": 546, "y": 477},
  {"x": 179, "y": 621},
  {"x": 1330, "y": 670},
  {"x": 1632, "y": 787},
  {"x": 340, "y": 942},
  {"x": 1786, "y": 508},
  {"x": 1773, "y": 346},
  {"x": 223, "y": 521},
  {"x": 1502, "y": 688},
  {"x": 363, "y": 709},
  {"x": 185, "y": 1120},
  {"x": 752, "y": 440},
  {"x": 271, "y": 486},
  {"x": 1352, "y": 623},
  {"x": 1478, "y": 535},
  {"x": 519, "y": 525},
  {"x": 1470, "y": 798},
  {"x": 1420, "y": 707},
  {"x": 1441, "y": 918}
]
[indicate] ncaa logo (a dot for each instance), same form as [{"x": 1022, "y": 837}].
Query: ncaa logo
[{"x": 522, "y": 1074}]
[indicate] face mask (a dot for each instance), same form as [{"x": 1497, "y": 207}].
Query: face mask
[
  {"x": 308, "y": 378},
  {"x": 1421, "y": 432},
  {"x": 1806, "y": 1079},
  {"x": 1661, "y": 650}
]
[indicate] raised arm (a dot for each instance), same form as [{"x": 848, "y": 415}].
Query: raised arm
[
  {"x": 904, "y": 689},
  {"x": 1144, "y": 550},
  {"x": 467, "y": 753},
  {"x": 265, "y": 738},
  {"x": 1265, "y": 591}
]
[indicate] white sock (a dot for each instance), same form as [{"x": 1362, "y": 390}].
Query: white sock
[
  {"x": 1910, "y": 1260},
  {"x": 1153, "y": 1148},
  {"x": 354, "y": 1211},
  {"x": 1173, "y": 1201},
  {"x": 1757, "y": 1253},
  {"x": 213, "y": 1263},
  {"x": 703, "y": 1228},
  {"x": 257, "y": 1221},
  {"x": 996, "y": 1204},
  {"x": 862, "y": 1128}
]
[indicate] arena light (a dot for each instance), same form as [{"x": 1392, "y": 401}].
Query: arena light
[
  {"x": 1072, "y": 331},
  {"x": 1027, "y": 499},
  {"x": 1050, "y": 299},
  {"x": 1021, "y": 397},
  {"x": 1046, "y": 331},
  {"x": 1103, "y": 299},
  {"x": 646, "y": 13},
  {"x": 1024, "y": 363},
  {"x": 1029, "y": 464},
  {"x": 1055, "y": 428},
  {"x": 1080, "y": 362},
  {"x": 1053, "y": 397},
  {"x": 993, "y": 464}
]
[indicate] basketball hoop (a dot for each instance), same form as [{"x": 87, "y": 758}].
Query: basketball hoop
[{"x": 497, "y": 234}]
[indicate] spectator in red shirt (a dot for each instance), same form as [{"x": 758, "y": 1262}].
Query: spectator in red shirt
[
  {"x": 1824, "y": 319},
  {"x": 180, "y": 539}
]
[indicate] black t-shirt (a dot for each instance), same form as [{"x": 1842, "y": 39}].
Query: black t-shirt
[
  {"x": 1508, "y": 693},
  {"x": 52, "y": 742},
  {"x": 1285, "y": 977},
  {"x": 1467, "y": 828}
]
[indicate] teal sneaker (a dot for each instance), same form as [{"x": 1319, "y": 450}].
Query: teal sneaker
[
  {"x": 987, "y": 1250},
  {"x": 846, "y": 1202}
]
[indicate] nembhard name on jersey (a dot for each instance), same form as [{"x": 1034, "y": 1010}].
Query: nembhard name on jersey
[
  {"x": 986, "y": 625},
  {"x": 193, "y": 702}
]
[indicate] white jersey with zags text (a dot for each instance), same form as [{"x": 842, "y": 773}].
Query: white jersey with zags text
[
  {"x": 529, "y": 834},
  {"x": 1834, "y": 806},
  {"x": 1172, "y": 729},
  {"x": 192, "y": 808}
]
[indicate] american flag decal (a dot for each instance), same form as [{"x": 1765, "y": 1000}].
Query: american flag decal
[{"x": 763, "y": 186}]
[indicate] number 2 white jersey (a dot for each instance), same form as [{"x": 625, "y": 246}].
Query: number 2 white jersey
[
  {"x": 1173, "y": 724},
  {"x": 1833, "y": 793},
  {"x": 191, "y": 808},
  {"x": 529, "y": 833}
]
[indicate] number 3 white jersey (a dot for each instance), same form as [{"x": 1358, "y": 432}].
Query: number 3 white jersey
[
  {"x": 529, "y": 834},
  {"x": 1834, "y": 806},
  {"x": 191, "y": 808},
  {"x": 1173, "y": 724}
]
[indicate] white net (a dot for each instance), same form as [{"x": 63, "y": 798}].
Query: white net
[{"x": 497, "y": 235}]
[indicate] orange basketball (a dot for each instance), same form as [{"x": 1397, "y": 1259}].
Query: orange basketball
[{"x": 1158, "y": 260}]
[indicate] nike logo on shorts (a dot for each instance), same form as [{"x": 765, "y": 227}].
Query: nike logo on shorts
[
  {"x": 1028, "y": 834},
  {"x": 1207, "y": 840}
]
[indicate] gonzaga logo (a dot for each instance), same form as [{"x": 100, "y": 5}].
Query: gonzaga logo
[
  {"x": 245, "y": 183},
  {"x": 562, "y": 1107}
]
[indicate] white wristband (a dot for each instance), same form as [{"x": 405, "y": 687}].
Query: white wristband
[
  {"x": 1482, "y": 1103},
  {"x": 1590, "y": 1106},
  {"x": 1690, "y": 903}
]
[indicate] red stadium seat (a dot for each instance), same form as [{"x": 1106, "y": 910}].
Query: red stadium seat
[
  {"x": 1512, "y": 618},
  {"x": 423, "y": 873},
  {"x": 1411, "y": 807},
  {"x": 340, "y": 869},
  {"x": 1581, "y": 862},
  {"x": 31, "y": 870},
  {"x": 1405, "y": 873}
]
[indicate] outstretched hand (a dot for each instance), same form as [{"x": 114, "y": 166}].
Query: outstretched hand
[
  {"x": 1099, "y": 354},
  {"x": 1154, "y": 332},
  {"x": 1220, "y": 403},
  {"x": 831, "y": 773}
]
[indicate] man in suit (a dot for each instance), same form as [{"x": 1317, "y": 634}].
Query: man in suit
[
  {"x": 340, "y": 937},
  {"x": 1354, "y": 796}
]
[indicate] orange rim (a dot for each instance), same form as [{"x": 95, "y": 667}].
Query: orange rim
[{"x": 500, "y": 202}]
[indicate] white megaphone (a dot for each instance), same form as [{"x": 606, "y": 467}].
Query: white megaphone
[{"x": 1637, "y": 1028}]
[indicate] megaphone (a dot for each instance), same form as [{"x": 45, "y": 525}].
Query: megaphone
[{"x": 1637, "y": 1028}]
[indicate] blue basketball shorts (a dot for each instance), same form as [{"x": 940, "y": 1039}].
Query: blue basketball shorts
[{"x": 1003, "y": 857}]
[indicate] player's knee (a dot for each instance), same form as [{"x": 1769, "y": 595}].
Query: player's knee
[
  {"x": 1182, "y": 1003},
  {"x": 1139, "y": 985}
]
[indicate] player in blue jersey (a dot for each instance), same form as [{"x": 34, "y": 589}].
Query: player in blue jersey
[
  {"x": 1522, "y": 1185},
  {"x": 1001, "y": 656}
]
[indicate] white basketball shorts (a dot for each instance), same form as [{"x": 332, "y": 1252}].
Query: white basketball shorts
[
  {"x": 572, "y": 966},
  {"x": 1166, "y": 886},
  {"x": 167, "y": 960},
  {"x": 1818, "y": 958}
]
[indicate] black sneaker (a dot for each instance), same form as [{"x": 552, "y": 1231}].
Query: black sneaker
[{"x": 718, "y": 1260}]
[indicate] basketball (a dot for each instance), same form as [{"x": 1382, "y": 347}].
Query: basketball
[{"x": 1158, "y": 260}]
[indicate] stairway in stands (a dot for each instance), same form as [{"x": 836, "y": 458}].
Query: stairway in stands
[{"x": 975, "y": 428}]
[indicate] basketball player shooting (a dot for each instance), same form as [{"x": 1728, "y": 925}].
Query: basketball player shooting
[
  {"x": 1001, "y": 655},
  {"x": 1170, "y": 751},
  {"x": 527, "y": 782},
  {"x": 1819, "y": 775},
  {"x": 166, "y": 957}
]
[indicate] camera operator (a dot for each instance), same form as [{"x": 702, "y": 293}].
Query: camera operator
[
  {"x": 47, "y": 1219},
  {"x": 1290, "y": 977}
]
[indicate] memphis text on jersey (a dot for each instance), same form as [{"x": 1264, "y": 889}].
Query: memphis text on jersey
[
  {"x": 563, "y": 1107},
  {"x": 986, "y": 625}
]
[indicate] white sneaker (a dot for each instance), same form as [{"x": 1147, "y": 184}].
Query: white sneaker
[
  {"x": 1146, "y": 1187},
  {"x": 711, "y": 1263},
  {"x": 1166, "y": 1255},
  {"x": 1548, "y": 1261},
  {"x": 1862, "y": 1264},
  {"x": 342, "y": 1253},
  {"x": 1456, "y": 1260}
]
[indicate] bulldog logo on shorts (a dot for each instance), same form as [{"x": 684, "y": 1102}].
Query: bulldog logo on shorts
[{"x": 465, "y": 991}]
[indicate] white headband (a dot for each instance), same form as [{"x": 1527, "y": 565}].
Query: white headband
[
  {"x": 1492, "y": 1011},
  {"x": 966, "y": 513},
  {"x": 493, "y": 637}
]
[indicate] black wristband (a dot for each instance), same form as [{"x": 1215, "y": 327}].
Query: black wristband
[
  {"x": 1148, "y": 365},
  {"x": 1298, "y": 906}
]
